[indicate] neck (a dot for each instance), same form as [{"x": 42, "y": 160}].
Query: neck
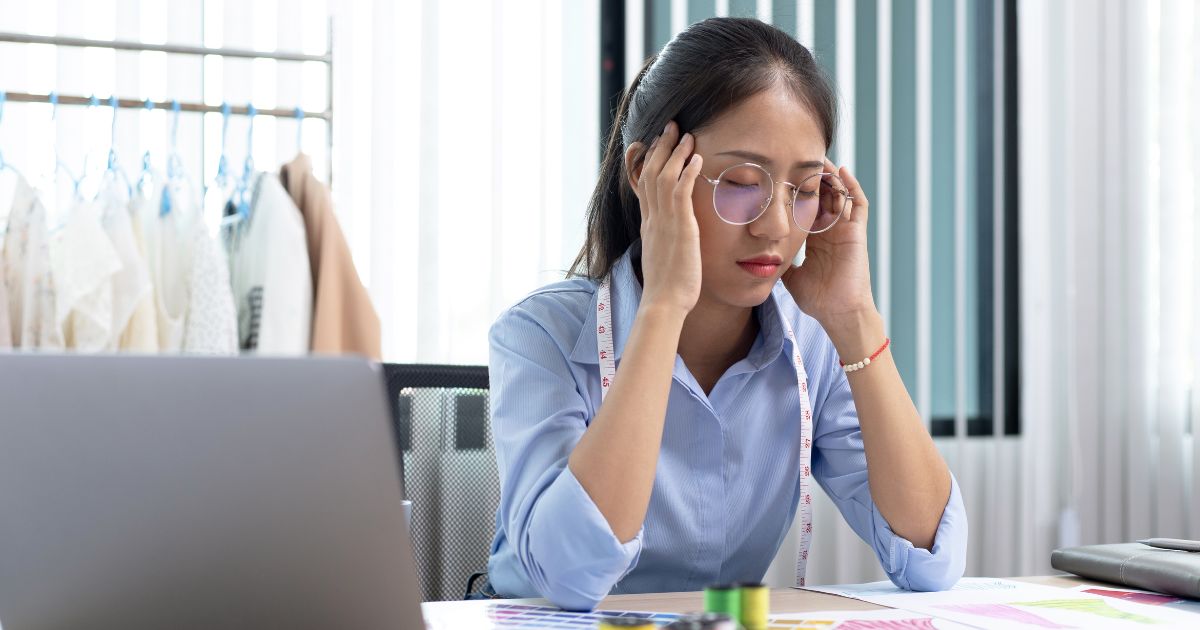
[{"x": 714, "y": 337}]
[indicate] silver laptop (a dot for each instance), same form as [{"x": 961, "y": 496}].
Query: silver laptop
[{"x": 146, "y": 492}]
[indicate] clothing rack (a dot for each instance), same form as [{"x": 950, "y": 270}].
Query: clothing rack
[{"x": 178, "y": 49}]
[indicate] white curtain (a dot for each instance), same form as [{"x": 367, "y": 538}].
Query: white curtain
[
  {"x": 1110, "y": 153},
  {"x": 465, "y": 149}
]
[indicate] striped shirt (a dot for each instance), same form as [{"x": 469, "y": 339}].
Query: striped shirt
[{"x": 728, "y": 478}]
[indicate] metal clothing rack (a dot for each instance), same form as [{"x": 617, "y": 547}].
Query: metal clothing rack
[{"x": 128, "y": 103}]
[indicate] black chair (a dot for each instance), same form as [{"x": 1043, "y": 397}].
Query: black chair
[{"x": 448, "y": 460}]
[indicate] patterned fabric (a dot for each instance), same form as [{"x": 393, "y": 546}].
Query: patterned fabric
[
  {"x": 27, "y": 274},
  {"x": 211, "y": 326}
]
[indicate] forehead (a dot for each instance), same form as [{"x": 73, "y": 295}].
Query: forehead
[{"x": 774, "y": 123}]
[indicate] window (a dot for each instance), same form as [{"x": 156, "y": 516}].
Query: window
[{"x": 928, "y": 94}]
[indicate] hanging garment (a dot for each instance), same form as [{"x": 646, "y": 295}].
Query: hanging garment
[
  {"x": 344, "y": 320},
  {"x": 5, "y": 325},
  {"x": 270, "y": 273},
  {"x": 169, "y": 245},
  {"x": 27, "y": 274},
  {"x": 141, "y": 333},
  {"x": 130, "y": 285},
  {"x": 84, "y": 262},
  {"x": 211, "y": 326},
  {"x": 7, "y": 188}
]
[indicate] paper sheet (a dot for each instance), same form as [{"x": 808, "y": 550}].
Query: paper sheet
[{"x": 993, "y": 603}]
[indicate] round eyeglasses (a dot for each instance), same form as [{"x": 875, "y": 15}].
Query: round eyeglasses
[{"x": 743, "y": 192}]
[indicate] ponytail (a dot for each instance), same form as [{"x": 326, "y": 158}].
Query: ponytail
[{"x": 614, "y": 219}]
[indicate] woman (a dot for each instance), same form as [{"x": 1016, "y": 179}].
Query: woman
[{"x": 659, "y": 417}]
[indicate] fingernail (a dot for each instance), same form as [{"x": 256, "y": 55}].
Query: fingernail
[
  {"x": 667, "y": 129},
  {"x": 654, "y": 142}
]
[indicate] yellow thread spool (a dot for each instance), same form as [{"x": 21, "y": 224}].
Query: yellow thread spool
[{"x": 755, "y": 605}]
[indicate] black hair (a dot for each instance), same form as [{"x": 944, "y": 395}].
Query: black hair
[{"x": 699, "y": 75}]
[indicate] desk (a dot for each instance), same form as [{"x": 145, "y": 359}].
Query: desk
[{"x": 783, "y": 600}]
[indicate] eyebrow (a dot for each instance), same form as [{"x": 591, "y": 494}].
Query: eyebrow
[{"x": 766, "y": 161}]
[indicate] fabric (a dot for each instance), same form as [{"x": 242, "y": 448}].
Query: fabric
[
  {"x": 141, "y": 332},
  {"x": 27, "y": 274},
  {"x": 131, "y": 283},
  {"x": 84, "y": 262},
  {"x": 728, "y": 478},
  {"x": 5, "y": 325},
  {"x": 270, "y": 273},
  {"x": 169, "y": 244},
  {"x": 344, "y": 320},
  {"x": 211, "y": 326}
]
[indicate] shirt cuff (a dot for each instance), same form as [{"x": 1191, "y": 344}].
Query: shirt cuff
[
  {"x": 580, "y": 557},
  {"x": 917, "y": 569}
]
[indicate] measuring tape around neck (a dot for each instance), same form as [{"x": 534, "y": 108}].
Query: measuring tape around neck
[{"x": 608, "y": 371}]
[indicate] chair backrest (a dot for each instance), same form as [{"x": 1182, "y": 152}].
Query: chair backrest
[{"x": 448, "y": 460}]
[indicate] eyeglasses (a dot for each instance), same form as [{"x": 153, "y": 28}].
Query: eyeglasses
[{"x": 743, "y": 192}]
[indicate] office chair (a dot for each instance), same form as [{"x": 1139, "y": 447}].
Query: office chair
[{"x": 443, "y": 432}]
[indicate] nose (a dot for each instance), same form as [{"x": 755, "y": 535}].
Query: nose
[{"x": 776, "y": 222}]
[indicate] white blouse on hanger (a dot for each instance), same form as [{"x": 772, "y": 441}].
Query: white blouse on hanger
[
  {"x": 83, "y": 261},
  {"x": 27, "y": 273},
  {"x": 272, "y": 280},
  {"x": 141, "y": 333},
  {"x": 211, "y": 326},
  {"x": 130, "y": 285}
]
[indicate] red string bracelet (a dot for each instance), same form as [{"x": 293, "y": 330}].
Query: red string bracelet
[{"x": 854, "y": 367}]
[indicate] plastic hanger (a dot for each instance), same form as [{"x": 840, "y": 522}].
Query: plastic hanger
[
  {"x": 145, "y": 183},
  {"x": 174, "y": 162}
]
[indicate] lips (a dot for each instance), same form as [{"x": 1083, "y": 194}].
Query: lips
[{"x": 761, "y": 266}]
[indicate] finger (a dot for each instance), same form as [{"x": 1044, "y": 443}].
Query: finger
[
  {"x": 687, "y": 180},
  {"x": 830, "y": 167},
  {"x": 658, "y": 158},
  {"x": 861, "y": 205},
  {"x": 668, "y": 178}
]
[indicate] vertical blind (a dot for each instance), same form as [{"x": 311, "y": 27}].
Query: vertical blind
[{"x": 921, "y": 85}]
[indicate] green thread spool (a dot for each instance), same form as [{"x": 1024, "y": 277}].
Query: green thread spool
[{"x": 723, "y": 598}]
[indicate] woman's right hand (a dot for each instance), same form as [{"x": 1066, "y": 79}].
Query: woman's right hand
[{"x": 670, "y": 234}]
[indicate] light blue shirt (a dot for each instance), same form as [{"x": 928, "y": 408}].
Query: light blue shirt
[{"x": 728, "y": 478}]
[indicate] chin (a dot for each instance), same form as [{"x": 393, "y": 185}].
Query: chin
[{"x": 750, "y": 296}]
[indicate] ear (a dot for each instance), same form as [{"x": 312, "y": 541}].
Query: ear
[{"x": 635, "y": 159}]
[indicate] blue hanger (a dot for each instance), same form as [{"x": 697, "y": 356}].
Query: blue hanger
[
  {"x": 223, "y": 164},
  {"x": 144, "y": 178},
  {"x": 243, "y": 197},
  {"x": 174, "y": 162},
  {"x": 299, "y": 130},
  {"x": 113, "y": 168},
  {"x": 59, "y": 166}
]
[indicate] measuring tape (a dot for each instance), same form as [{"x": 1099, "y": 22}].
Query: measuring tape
[{"x": 608, "y": 371}]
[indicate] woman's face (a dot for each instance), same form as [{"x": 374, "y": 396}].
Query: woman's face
[{"x": 776, "y": 131}]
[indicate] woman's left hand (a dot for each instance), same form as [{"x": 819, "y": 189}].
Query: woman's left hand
[{"x": 835, "y": 280}]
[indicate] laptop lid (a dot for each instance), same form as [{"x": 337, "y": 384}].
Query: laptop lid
[{"x": 187, "y": 492}]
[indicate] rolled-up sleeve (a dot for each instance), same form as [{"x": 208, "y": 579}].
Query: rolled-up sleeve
[
  {"x": 552, "y": 536},
  {"x": 840, "y": 467}
]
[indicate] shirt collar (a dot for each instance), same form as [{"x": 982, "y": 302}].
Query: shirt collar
[{"x": 627, "y": 294}]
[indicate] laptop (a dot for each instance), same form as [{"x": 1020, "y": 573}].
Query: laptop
[{"x": 189, "y": 492}]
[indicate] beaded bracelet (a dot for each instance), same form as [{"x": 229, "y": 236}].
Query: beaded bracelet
[{"x": 854, "y": 367}]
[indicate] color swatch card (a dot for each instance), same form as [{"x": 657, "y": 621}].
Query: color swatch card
[
  {"x": 1145, "y": 597},
  {"x": 991, "y": 603},
  {"x": 861, "y": 620},
  {"x": 503, "y": 616}
]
